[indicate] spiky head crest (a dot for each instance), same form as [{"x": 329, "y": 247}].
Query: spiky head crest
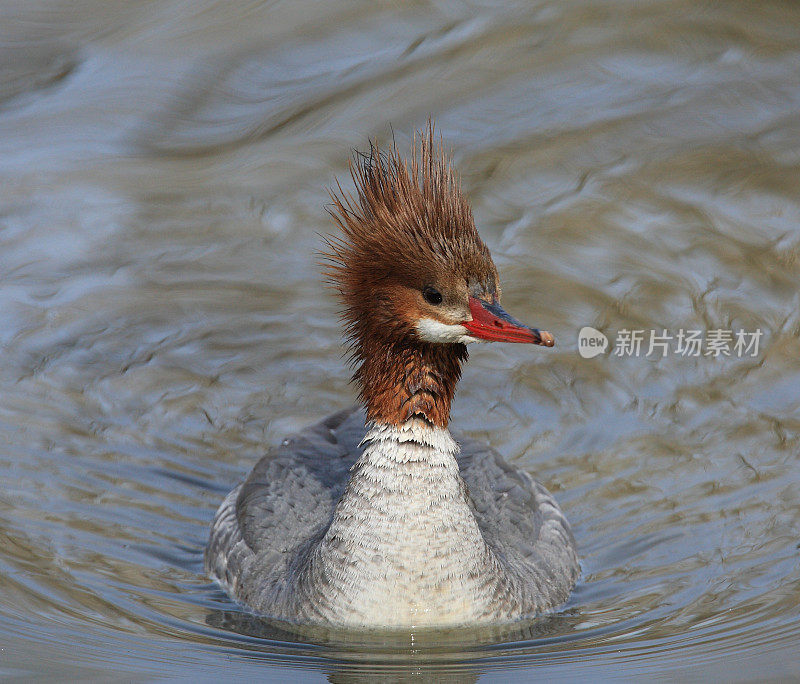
[{"x": 408, "y": 228}]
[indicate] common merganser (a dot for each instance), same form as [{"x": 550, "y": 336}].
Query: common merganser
[{"x": 399, "y": 527}]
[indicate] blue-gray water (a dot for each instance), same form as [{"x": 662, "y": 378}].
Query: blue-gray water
[{"x": 163, "y": 173}]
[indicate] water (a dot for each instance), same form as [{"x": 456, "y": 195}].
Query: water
[{"x": 163, "y": 173}]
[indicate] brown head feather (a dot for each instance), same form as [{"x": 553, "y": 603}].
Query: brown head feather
[{"x": 409, "y": 227}]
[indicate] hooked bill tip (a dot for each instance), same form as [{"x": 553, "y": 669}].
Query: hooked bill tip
[{"x": 547, "y": 339}]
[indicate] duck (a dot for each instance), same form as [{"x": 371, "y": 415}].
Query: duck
[{"x": 375, "y": 517}]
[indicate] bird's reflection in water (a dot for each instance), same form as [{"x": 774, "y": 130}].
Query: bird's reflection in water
[{"x": 418, "y": 655}]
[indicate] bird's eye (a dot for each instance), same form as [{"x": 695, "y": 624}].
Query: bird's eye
[{"x": 432, "y": 295}]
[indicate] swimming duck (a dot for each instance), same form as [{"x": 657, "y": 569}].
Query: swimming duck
[{"x": 375, "y": 517}]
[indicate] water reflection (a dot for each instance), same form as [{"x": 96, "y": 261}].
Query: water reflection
[{"x": 426, "y": 645}]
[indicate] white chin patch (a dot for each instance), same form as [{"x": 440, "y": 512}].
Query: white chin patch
[{"x": 431, "y": 330}]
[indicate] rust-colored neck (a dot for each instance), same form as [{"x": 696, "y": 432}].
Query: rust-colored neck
[{"x": 404, "y": 379}]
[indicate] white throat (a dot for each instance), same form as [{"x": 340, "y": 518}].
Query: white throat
[
  {"x": 432, "y": 330},
  {"x": 414, "y": 440}
]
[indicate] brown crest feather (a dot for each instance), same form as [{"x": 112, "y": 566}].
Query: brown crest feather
[{"x": 408, "y": 226}]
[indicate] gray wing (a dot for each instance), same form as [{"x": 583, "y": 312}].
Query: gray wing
[
  {"x": 287, "y": 499},
  {"x": 522, "y": 523}
]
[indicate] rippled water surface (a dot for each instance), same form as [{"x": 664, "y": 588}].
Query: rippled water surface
[{"x": 163, "y": 173}]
